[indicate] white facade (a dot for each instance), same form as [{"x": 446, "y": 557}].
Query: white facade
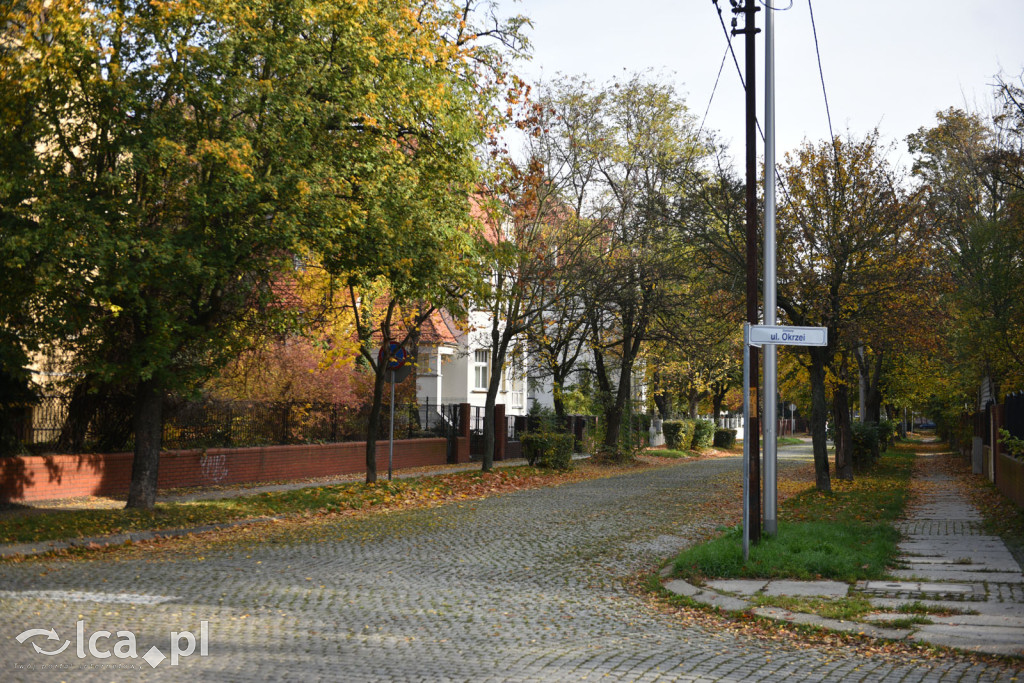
[{"x": 458, "y": 369}]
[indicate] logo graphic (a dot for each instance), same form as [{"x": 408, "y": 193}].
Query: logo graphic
[
  {"x": 50, "y": 635},
  {"x": 98, "y": 645}
]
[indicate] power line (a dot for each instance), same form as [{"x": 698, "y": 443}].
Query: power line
[
  {"x": 721, "y": 66},
  {"x": 821, "y": 74},
  {"x": 728, "y": 41},
  {"x": 739, "y": 72}
]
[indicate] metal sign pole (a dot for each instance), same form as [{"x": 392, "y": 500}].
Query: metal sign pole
[
  {"x": 769, "y": 419},
  {"x": 746, "y": 441},
  {"x": 391, "y": 438},
  {"x": 769, "y": 336}
]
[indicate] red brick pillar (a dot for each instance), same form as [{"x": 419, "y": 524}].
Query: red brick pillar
[
  {"x": 500, "y": 432},
  {"x": 463, "y": 439},
  {"x": 464, "y": 417}
]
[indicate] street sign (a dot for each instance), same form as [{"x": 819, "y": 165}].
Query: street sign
[
  {"x": 399, "y": 375},
  {"x": 766, "y": 335},
  {"x": 788, "y": 336},
  {"x": 394, "y": 355}
]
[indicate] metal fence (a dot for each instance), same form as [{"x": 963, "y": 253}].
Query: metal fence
[
  {"x": 517, "y": 425},
  {"x": 48, "y": 425},
  {"x": 1013, "y": 414}
]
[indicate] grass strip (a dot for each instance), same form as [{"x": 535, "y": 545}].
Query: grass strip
[
  {"x": 669, "y": 453},
  {"x": 50, "y": 525},
  {"x": 845, "y": 535},
  {"x": 68, "y": 524}
]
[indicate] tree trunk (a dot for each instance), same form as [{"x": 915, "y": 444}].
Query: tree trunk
[
  {"x": 373, "y": 424},
  {"x": 717, "y": 399},
  {"x": 660, "y": 399},
  {"x": 500, "y": 341},
  {"x": 693, "y": 403},
  {"x": 614, "y": 411},
  {"x": 874, "y": 399},
  {"x": 612, "y": 427},
  {"x": 487, "y": 460},
  {"x": 412, "y": 354},
  {"x": 612, "y": 419},
  {"x": 870, "y": 378},
  {"x": 844, "y": 435},
  {"x": 148, "y": 427},
  {"x": 819, "y": 414},
  {"x": 559, "y": 404}
]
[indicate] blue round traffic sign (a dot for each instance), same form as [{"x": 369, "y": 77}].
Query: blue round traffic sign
[{"x": 394, "y": 354}]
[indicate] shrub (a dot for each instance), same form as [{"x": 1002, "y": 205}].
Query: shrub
[
  {"x": 674, "y": 431},
  {"x": 687, "y": 435},
  {"x": 1011, "y": 444},
  {"x": 542, "y": 419},
  {"x": 548, "y": 449},
  {"x": 703, "y": 433},
  {"x": 865, "y": 443},
  {"x": 887, "y": 431},
  {"x": 725, "y": 438}
]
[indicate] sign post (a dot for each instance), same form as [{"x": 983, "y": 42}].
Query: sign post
[
  {"x": 394, "y": 355},
  {"x": 746, "y": 442},
  {"x": 767, "y": 335}
]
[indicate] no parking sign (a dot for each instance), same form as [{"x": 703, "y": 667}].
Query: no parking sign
[{"x": 394, "y": 354}]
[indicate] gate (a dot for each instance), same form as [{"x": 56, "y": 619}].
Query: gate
[
  {"x": 450, "y": 426},
  {"x": 517, "y": 424},
  {"x": 476, "y": 432}
]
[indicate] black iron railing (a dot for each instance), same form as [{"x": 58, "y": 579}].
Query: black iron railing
[{"x": 53, "y": 425}]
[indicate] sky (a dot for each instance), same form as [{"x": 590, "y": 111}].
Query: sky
[{"x": 890, "y": 64}]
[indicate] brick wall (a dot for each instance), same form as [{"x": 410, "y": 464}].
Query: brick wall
[{"x": 108, "y": 474}]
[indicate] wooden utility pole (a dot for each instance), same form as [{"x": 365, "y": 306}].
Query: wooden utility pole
[{"x": 749, "y": 31}]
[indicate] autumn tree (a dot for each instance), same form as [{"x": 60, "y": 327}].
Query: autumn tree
[
  {"x": 848, "y": 240},
  {"x": 167, "y": 161},
  {"x": 971, "y": 171},
  {"x": 619, "y": 152},
  {"x": 533, "y": 254},
  {"x": 711, "y": 215},
  {"x": 559, "y": 149}
]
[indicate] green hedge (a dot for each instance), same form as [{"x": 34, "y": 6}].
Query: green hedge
[
  {"x": 688, "y": 429},
  {"x": 550, "y": 450},
  {"x": 725, "y": 438},
  {"x": 703, "y": 434},
  {"x": 678, "y": 434},
  {"x": 672, "y": 429}
]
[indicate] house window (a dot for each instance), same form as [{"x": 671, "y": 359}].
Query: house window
[
  {"x": 516, "y": 381},
  {"x": 481, "y": 360}
]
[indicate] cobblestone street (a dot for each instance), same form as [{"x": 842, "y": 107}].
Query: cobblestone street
[{"x": 521, "y": 587}]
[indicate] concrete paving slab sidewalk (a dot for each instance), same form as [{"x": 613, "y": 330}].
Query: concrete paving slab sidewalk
[{"x": 949, "y": 565}]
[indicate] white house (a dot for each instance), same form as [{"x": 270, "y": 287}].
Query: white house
[{"x": 454, "y": 365}]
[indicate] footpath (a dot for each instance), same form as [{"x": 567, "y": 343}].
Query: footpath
[{"x": 968, "y": 582}]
